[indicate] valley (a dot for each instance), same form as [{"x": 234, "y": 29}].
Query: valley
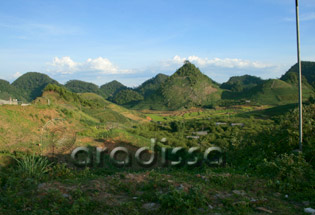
[{"x": 253, "y": 121}]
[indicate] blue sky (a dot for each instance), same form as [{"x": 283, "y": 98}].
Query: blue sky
[{"x": 133, "y": 40}]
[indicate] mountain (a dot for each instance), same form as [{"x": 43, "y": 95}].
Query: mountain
[
  {"x": 77, "y": 86},
  {"x": 308, "y": 71},
  {"x": 93, "y": 107},
  {"x": 109, "y": 89},
  {"x": 127, "y": 97},
  {"x": 31, "y": 84},
  {"x": 186, "y": 88},
  {"x": 272, "y": 92},
  {"x": 240, "y": 83},
  {"x": 152, "y": 85},
  {"x": 8, "y": 91}
]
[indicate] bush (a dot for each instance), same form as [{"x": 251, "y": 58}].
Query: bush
[
  {"x": 182, "y": 202},
  {"x": 290, "y": 172},
  {"x": 32, "y": 166}
]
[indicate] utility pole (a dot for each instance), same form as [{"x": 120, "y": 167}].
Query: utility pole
[{"x": 300, "y": 76}]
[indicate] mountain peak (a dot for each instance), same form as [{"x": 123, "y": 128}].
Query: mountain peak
[{"x": 188, "y": 69}]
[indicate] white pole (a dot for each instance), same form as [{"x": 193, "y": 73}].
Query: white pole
[{"x": 300, "y": 76}]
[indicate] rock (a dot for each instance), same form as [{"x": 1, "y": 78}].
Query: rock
[
  {"x": 309, "y": 211},
  {"x": 240, "y": 203},
  {"x": 239, "y": 192},
  {"x": 264, "y": 210},
  {"x": 277, "y": 194},
  {"x": 306, "y": 203},
  {"x": 66, "y": 195},
  {"x": 151, "y": 206},
  {"x": 210, "y": 207},
  {"x": 41, "y": 186}
]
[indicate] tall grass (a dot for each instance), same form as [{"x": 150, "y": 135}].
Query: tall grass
[{"x": 32, "y": 166}]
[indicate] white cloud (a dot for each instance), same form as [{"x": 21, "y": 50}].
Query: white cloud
[
  {"x": 65, "y": 65},
  {"x": 16, "y": 75},
  {"x": 221, "y": 69},
  {"x": 218, "y": 62}
]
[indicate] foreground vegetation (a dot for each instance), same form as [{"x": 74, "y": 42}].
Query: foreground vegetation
[{"x": 262, "y": 173}]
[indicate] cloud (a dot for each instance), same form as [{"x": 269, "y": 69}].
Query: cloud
[
  {"x": 65, "y": 65},
  {"x": 16, "y": 75},
  {"x": 218, "y": 62},
  {"x": 101, "y": 70},
  {"x": 221, "y": 69}
]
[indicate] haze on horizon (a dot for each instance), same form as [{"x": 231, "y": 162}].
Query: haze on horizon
[{"x": 131, "y": 41}]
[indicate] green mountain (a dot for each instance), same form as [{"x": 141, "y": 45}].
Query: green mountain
[
  {"x": 186, "y": 88},
  {"x": 272, "y": 92},
  {"x": 92, "y": 107},
  {"x": 152, "y": 85},
  {"x": 77, "y": 86},
  {"x": 127, "y": 97},
  {"x": 7, "y": 91},
  {"x": 240, "y": 83},
  {"x": 31, "y": 84},
  {"x": 308, "y": 71},
  {"x": 109, "y": 89}
]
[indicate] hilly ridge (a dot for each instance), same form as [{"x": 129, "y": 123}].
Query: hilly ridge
[
  {"x": 31, "y": 84},
  {"x": 187, "y": 87}
]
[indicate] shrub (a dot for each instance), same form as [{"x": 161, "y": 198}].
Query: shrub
[
  {"x": 290, "y": 172},
  {"x": 32, "y": 166}
]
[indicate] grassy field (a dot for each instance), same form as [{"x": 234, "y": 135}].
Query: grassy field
[{"x": 261, "y": 173}]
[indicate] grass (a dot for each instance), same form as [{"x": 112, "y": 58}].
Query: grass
[
  {"x": 166, "y": 191},
  {"x": 33, "y": 185}
]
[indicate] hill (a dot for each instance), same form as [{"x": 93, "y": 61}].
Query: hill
[
  {"x": 240, "y": 83},
  {"x": 127, "y": 97},
  {"x": 308, "y": 71},
  {"x": 109, "y": 89},
  {"x": 186, "y": 88},
  {"x": 275, "y": 92},
  {"x": 8, "y": 91},
  {"x": 91, "y": 104},
  {"x": 78, "y": 86},
  {"x": 152, "y": 85},
  {"x": 31, "y": 84}
]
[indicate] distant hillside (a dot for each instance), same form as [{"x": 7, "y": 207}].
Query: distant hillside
[
  {"x": 127, "y": 97},
  {"x": 109, "y": 89},
  {"x": 240, "y": 83},
  {"x": 271, "y": 92},
  {"x": 308, "y": 71},
  {"x": 91, "y": 104},
  {"x": 31, "y": 84},
  {"x": 77, "y": 86},
  {"x": 186, "y": 88},
  {"x": 7, "y": 91},
  {"x": 152, "y": 85}
]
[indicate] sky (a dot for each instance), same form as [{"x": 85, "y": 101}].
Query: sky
[{"x": 133, "y": 40}]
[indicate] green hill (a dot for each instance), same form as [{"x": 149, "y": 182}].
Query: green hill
[
  {"x": 78, "y": 86},
  {"x": 91, "y": 104},
  {"x": 109, "y": 89},
  {"x": 7, "y": 91},
  {"x": 275, "y": 92},
  {"x": 152, "y": 85},
  {"x": 240, "y": 83},
  {"x": 308, "y": 71},
  {"x": 127, "y": 97},
  {"x": 186, "y": 88},
  {"x": 31, "y": 84}
]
